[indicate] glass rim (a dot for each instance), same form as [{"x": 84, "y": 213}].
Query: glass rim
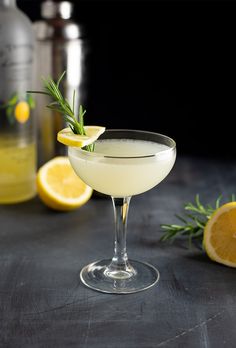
[{"x": 171, "y": 147}]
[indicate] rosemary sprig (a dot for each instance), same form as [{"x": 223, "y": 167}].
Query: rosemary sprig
[
  {"x": 62, "y": 105},
  {"x": 193, "y": 221}
]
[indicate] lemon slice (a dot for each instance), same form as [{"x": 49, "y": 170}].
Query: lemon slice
[
  {"x": 67, "y": 137},
  {"x": 59, "y": 187},
  {"x": 220, "y": 235}
]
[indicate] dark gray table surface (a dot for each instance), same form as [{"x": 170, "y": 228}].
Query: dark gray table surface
[{"x": 43, "y": 303}]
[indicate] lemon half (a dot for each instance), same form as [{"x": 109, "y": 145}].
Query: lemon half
[
  {"x": 59, "y": 187},
  {"x": 220, "y": 235}
]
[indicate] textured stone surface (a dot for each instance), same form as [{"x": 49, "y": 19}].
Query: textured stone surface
[{"x": 43, "y": 303}]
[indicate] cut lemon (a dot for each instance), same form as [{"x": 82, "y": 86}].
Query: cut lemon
[
  {"x": 220, "y": 235},
  {"x": 59, "y": 187},
  {"x": 67, "y": 137}
]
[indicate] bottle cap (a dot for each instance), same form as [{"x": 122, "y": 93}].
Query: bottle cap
[{"x": 61, "y": 9}]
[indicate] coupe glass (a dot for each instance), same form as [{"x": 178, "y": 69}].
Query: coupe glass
[{"x": 139, "y": 162}]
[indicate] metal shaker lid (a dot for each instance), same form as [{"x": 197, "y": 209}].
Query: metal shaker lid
[{"x": 61, "y": 9}]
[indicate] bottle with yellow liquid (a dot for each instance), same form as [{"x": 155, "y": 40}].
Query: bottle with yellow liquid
[{"x": 17, "y": 133}]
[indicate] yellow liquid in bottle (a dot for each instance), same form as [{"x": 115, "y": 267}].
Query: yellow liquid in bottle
[{"x": 17, "y": 171}]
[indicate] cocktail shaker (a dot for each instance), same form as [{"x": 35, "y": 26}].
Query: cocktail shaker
[{"x": 61, "y": 46}]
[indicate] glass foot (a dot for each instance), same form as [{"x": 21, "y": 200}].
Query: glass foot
[{"x": 97, "y": 276}]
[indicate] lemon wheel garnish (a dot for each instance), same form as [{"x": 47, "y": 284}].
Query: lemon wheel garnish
[
  {"x": 220, "y": 235},
  {"x": 59, "y": 187},
  {"x": 22, "y": 112},
  {"x": 67, "y": 137}
]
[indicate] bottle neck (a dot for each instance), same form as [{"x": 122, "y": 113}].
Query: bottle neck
[{"x": 8, "y": 3}]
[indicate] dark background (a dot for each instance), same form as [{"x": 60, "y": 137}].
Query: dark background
[{"x": 164, "y": 66}]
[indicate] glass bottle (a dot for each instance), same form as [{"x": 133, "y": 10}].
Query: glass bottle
[
  {"x": 17, "y": 134},
  {"x": 61, "y": 45}
]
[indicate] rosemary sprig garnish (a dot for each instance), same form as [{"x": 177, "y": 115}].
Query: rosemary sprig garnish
[
  {"x": 62, "y": 105},
  {"x": 193, "y": 221}
]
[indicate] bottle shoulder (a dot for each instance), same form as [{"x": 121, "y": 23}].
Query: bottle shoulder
[{"x": 15, "y": 26}]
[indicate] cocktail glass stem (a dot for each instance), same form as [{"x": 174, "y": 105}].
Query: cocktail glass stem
[{"x": 120, "y": 268}]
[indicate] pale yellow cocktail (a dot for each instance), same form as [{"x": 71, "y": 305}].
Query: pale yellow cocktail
[{"x": 123, "y": 167}]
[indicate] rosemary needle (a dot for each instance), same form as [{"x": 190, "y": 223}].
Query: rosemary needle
[
  {"x": 61, "y": 104},
  {"x": 193, "y": 221}
]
